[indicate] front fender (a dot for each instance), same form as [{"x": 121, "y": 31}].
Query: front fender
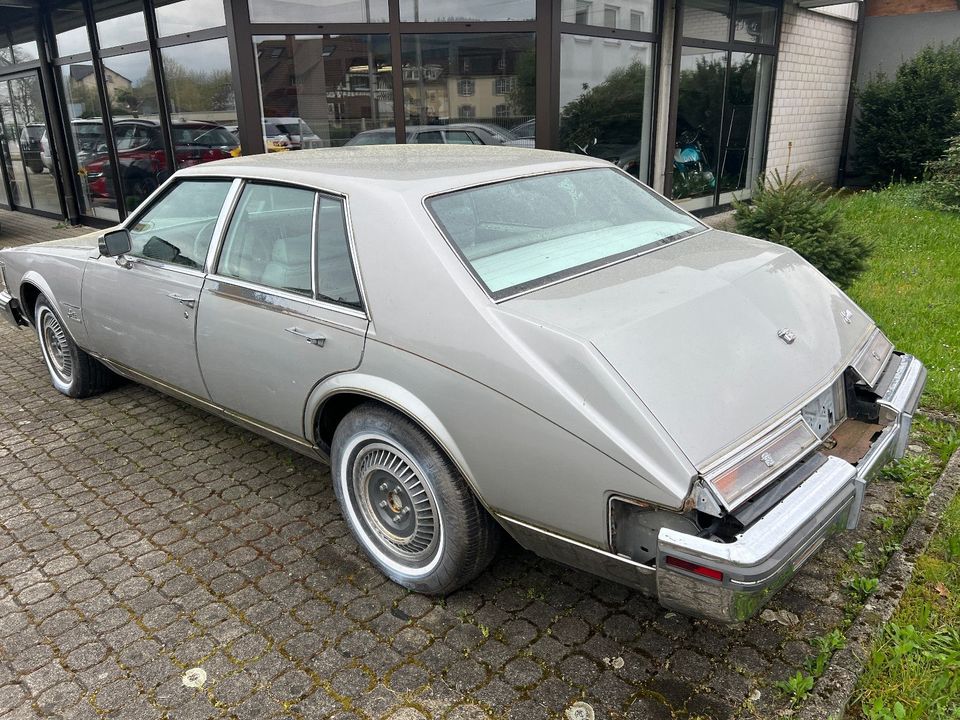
[{"x": 67, "y": 303}]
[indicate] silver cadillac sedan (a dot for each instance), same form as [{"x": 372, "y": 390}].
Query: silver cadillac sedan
[{"x": 483, "y": 339}]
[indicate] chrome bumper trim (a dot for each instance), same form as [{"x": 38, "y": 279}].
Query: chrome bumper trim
[
  {"x": 769, "y": 552},
  {"x": 10, "y": 309},
  {"x": 900, "y": 400},
  {"x": 765, "y": 556}
]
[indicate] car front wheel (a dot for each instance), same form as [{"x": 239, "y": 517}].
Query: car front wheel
[
  {"x": 407, "y": 504},
  {"x": 72, "y": 371}
]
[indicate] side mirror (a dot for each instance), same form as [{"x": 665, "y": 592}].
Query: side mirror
[{"x": 115, "y": 243}]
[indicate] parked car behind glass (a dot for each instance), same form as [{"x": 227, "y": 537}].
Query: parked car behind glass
[
  {"x": 452, "y": 134},
  {"x": 143, "y": 163}
]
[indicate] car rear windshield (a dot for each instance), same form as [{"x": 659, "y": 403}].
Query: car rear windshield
[
  {"x": 520, "y": 234},
  {"x": 203, "y": 136}
]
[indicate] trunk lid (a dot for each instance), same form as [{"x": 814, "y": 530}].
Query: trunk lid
[{"x": 693, "y": 328}]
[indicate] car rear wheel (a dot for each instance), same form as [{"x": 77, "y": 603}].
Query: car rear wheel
[
  {"x": 72, "y": 371},
  {"x": 407, "y": 504}
]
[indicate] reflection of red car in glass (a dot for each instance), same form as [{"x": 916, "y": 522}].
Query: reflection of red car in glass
[{"x": 143, "y": 165}]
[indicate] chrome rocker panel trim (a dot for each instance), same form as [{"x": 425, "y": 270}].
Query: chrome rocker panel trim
[{"x": 773, "y": 549}]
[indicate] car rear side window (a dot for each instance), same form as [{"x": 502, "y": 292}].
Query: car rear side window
[
  {"x": 270, "y": 236},
  {"x": 520, "y": 234},
  {"x": 461, "y": 137},
  {"x": 432, "y": 137},
  {"x": 178, "y": 227},
  {"x": 336, "y": 281}
]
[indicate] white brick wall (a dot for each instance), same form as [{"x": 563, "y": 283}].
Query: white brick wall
[{"x": 810, "y": 94}]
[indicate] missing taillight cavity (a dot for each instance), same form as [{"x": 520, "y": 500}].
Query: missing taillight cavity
[{"x": 694, "y": 568}]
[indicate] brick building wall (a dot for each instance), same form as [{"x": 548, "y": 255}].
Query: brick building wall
[
  {"x": 810, "y": 94},
  {"x": 878, "y": 8}
]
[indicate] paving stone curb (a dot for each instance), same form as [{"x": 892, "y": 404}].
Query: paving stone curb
[{"x": 834, "y": 689}]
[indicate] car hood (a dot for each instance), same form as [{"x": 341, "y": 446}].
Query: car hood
[{"x": 693, "y": 328}]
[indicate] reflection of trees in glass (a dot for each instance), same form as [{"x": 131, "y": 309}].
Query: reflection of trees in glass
[
  {"x": 27, "y": 101},
  {"x": 192, "y": 90},
  {"x": 699, "y": 111},
  {"x": 85, "y": 96},
  {"x": 701, "y": 95},
  {"x": 611, "y": 111},
  {"x": 188, "y": 90},
  {"x": 523, "y": 97},
  {"x": 741, "y": 92},
  {"x": 14, "y": 55}
]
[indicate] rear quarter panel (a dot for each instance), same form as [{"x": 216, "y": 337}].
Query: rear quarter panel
[{"x": 520, "y": 463}]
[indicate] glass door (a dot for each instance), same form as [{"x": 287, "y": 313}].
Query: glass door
[
  {"x": 724, "y": 82},
  {"x": 25, "y": 150}
]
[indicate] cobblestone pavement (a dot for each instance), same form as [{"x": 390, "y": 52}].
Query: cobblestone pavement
[{"x": 140, "y": 538}]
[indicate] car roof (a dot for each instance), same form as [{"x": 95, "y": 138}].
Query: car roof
[{"x": 422, "y": 169}]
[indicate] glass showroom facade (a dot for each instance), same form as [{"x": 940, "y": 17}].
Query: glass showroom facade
[{"x": 100, "y": 100}]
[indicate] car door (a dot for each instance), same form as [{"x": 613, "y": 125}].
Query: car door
[
  {"x": 140, "y": 309},
  {"x": 282, "y": 311}
]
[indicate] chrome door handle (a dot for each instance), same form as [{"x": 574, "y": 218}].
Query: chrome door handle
[
  {"x": 314, "y": 338},
  {"x": 189, "y": 302}
]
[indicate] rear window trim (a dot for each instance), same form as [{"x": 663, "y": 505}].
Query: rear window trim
[{"x": 509, "y": 293}]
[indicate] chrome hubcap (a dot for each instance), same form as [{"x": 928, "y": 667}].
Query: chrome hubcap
[
  {"x": 56, "y": 346},
  {"x": 395, "y": 502}
]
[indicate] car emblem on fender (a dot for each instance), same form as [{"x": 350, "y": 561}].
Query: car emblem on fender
[
  {"x": 787, "y": 335},
  {"x": 768, "y": 460},
  {"x": 847, "y": 316}
]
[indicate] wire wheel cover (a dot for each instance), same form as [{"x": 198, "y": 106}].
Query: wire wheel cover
[
  {"x": 395, "y": 502},
  {"x": 56, "y": 346}
]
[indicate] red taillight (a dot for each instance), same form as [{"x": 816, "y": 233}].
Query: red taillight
[{"x": 694, "y": 568}]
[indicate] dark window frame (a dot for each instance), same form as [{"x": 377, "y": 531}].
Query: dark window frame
[{"x": 730, "y": 46}]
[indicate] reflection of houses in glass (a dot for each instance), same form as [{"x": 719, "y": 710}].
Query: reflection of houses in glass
[
  {"x": 457, "y": 81},
  {"x": 337, "y": 85},
  {"x": 83, "y": 75},
  {"x": 636, "y": 15}
]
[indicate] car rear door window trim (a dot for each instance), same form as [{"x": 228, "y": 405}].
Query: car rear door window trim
[
  {"x": 227, "y": 217},
  {"x": 260, "y": 295}
]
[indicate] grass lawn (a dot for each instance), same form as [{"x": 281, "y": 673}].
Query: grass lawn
[
  {"x": 912, "y": 290},
  {"x": 913, "y": 671},
  {"x": 912, "y": 285}
]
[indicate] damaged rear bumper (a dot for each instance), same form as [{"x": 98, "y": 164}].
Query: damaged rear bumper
[{"x": 729, "y": 582}]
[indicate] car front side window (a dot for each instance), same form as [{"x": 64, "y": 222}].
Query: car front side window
[
  {"x": 178, "y": 228},
  {"x": 270, "y": 238}
]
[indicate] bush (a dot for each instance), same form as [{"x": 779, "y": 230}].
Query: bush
[
  {"x": 804, "y": 218},
  {"x": 907, "y": 121},
  {"x": 942, "y": 188}
]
